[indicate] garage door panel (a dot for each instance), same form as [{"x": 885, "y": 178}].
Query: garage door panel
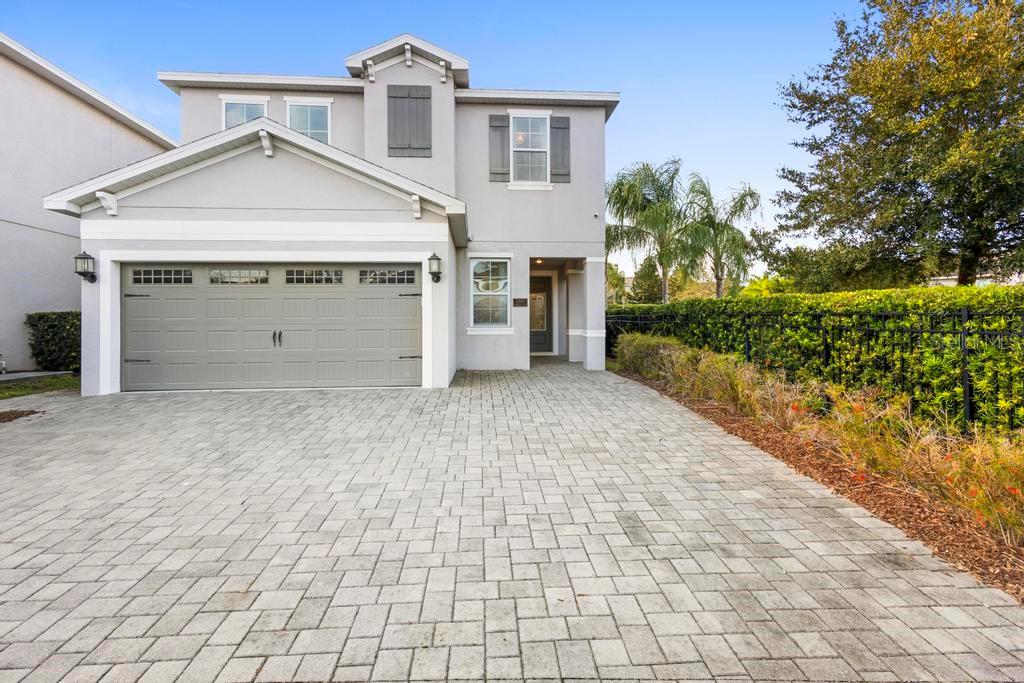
[
  {"x": 212, "y": 334},
  {"x": 404, "y": 340},
  {"x": 261, "y": 309},
  {"x": 333, "y": 307},
  {"x": 372, "y": 307},
  {"x": 223, "y": 308},
  {"x": 143, "y": 341},
  {"x": 299, "y": 307},
  {"x": 405, "y": 308},
  {"x": 139, "y": 308},
  {"x": 332, "y": 340}
]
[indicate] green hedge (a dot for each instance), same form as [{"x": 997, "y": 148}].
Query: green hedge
[
  {"x": 55, "y": 338},
  {"x": 901, "y": 340}
]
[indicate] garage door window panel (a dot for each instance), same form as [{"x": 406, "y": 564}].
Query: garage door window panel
[
  {"x": 239, "y": 276},
  {"x": 314, "y": 276},
  {"x": 161, "y": 276},
  {"x": 387, "y": 276}
]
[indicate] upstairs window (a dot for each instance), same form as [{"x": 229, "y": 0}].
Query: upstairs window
[
  {"x": 310, "y": 116},
  {"x": 242, "y": 110},
  {"x": 530, "y": 161}
]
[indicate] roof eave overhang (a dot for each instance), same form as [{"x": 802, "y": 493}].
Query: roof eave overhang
[
  {"x": 555, "y": 98},
  {"x": 176, "y": 80}
]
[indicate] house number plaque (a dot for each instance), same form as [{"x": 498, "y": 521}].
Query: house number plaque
[{"x": 520, "y": 303}]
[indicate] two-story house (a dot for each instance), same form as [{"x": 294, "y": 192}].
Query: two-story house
[
  {"x": 56, "y": 131},
  {"x": 387, "y": 227}
]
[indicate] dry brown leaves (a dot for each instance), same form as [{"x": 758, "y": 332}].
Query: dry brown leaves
[
  {"x": 12, "y": 415},
  {"x": 949, "y": 533}
]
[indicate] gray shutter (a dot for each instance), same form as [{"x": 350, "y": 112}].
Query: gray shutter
[
  {"x": 499, "y": 143},
  {"x": 409, "y": 121},
  {"x": 559, "y": 149}
]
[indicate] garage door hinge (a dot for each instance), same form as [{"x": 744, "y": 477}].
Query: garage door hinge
[
  {"x": 417, "y": 294},
  {"x": 405, "y": 357},
  {"x": 137, "y": 360},
  {"x": 136, "y": 296}
]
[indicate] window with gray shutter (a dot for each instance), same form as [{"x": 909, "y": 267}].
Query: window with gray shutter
[
  {"x": 559, "y": 149},
  {"x": 499, "y": 148},
  {"x": 409, "y": 120}
]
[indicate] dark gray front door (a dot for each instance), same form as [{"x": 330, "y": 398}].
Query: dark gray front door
[
  {"x": 230, "y": 326},
  {"x": 540, "y": 314}
]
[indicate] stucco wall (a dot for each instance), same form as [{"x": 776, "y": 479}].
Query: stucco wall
[
  {"x": 568, "y": 213},
  {"x": 52, "y": 140},
  {"x": 437, "y": 170},
  {"x": 202, "y": 111}
]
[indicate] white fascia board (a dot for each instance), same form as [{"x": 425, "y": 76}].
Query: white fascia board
[
  {"x": 21, "y": 55},
  {"x": 176, "y": 80},
  {"x": 573, "y": 98}
]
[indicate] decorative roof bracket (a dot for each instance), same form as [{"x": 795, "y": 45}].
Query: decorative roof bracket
[
  {"x": 444, "y": 70},
  {"x": 109, "y": 202},
  {"x": 267, "y": 142},
  {"x": 371, "y": 74},
  {"x": 417, "y": 211},
  {"x": 408, "y": 54}
]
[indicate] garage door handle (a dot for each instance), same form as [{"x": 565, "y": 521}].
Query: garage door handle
[
  {"x": 407, "y": 357},
  {"x": 273, "y": 337},
  {"x": 280, "y": 337}
]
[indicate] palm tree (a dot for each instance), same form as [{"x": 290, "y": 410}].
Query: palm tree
[
  {"x": 646, "y": 203},
  {"x": 614, "y": 284},
  {"x": 715, "y": 243}
]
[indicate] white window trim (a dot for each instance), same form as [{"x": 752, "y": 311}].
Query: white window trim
[
  {"x": 485, "y": 328},
  {"x": 528, "y": 184},
  {"x": 226, "y": 99},
  {"x": 321, "y": 101}
]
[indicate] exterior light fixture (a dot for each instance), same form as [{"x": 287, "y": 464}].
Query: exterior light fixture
[
  {"x": 434, "y": 267},
  {"x": 85, "y": 266}
]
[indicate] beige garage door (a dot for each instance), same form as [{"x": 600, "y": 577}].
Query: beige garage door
[{"x": 229, "y": 326}]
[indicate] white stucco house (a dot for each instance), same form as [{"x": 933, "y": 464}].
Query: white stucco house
[
  {"x": 386, "y": 227},
  {"x": 56, "y": 131}
]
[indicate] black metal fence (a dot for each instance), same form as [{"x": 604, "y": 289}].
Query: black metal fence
[{"x": 964, "y": 364}]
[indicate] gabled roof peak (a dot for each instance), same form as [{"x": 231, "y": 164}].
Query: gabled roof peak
[{"x": 393, "y": 47}]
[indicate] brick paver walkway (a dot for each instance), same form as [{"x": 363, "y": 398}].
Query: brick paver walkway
[{"x": 549, "y": 524}]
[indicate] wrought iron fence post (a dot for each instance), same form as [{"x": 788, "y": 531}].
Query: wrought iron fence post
[
  {"x": 746, "y": 338},
  {"x": 965, "y": 372}
]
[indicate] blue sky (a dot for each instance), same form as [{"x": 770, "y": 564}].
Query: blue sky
[{"x": 699, "y": 80}]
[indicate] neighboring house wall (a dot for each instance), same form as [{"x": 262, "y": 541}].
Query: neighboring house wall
[{"x": 52, "y": 139}]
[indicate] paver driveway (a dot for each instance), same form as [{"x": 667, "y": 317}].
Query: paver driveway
[{"x": 542, "y": 524}]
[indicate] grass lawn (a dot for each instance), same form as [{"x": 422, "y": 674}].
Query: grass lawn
[{"x": 38, "y": 386}]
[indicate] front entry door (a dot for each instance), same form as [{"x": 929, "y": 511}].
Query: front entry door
[{"x": 540, "y": 315}]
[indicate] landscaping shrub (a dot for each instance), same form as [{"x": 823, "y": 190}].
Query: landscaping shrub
[
  {"x": 980, "y": 472},
  {"x": 904, "y": 341},
  {"x": 55, "y": 339}
]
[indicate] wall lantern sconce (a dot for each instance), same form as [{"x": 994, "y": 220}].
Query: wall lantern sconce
[
  {"x": 434, "y": 267},
  {"x": 85, "y": 266}
]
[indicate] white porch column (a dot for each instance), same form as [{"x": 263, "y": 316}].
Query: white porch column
[
  {"x": 593, "y": 291},
  {"x": 576, "y": 320}
]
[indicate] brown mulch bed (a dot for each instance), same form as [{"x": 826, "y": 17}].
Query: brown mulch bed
[
  {"x": 12, "y": 415},
  {"x": 949, "y": 533}
]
